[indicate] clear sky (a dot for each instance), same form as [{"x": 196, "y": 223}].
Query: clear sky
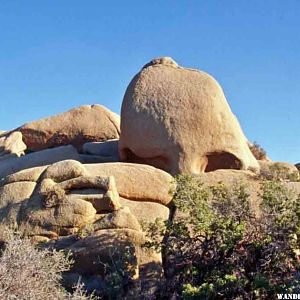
[{"x": 59, "y": 54}]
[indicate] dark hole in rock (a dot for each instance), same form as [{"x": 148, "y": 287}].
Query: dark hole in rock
[
  {"x": 159, "y": 162},
  {"x": 222, "y": 160}
]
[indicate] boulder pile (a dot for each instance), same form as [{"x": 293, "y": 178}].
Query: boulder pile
[{"x": 82, "y": 182}]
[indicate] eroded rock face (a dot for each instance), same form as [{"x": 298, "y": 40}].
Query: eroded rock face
[
  {"x": 178, "y": 120},
  {"x": 11, "y": 145},
  {"x": 37, "y": 159},
  {"x": 77, "y": 207},
  {"x": 76, "y": 127}
]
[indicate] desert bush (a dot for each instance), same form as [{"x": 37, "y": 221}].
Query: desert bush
[
  {"x": 216, "y": 248},
  {"x": 119, "y": 272},
  {"x": 258, "y": 152},
  {"x": 279, "y": 172},
  {"x": 29, "y": 273}
]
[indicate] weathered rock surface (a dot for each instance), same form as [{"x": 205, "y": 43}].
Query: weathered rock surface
[
  {"x": 16, "y": 192},
  {"x": 76, "y": 127},
  {"x": 146, "y": 212},
  {"x": 108, "y": 148},
  {"x": 75, "y": 207},
  {"x": 298, "y": 166},
  {"x": 11, "y": 145},
  {"x": 121, "y": 218},
  {"x": 137, "y": 182},
  {"x": 65, "y": 170},
  {"x": 68, "y": 214},
  {"x": 68, "y": 194},
  {"x": 31, "y": 174},
  {"x": 179, "y": 120},
  {"x": 39, "y": 158}
]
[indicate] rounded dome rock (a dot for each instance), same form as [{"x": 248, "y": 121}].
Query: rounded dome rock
[
  {"x": 161, "y": 61},
  {"x": 178, "y": 120}
]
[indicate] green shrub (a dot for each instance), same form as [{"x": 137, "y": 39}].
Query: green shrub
[{"x": 216, "y": 248}]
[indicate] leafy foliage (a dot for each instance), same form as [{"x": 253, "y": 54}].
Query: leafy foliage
[{"x": 216, "y": 248}]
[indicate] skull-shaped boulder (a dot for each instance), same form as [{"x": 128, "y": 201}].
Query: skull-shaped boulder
[{"x": 178, "y": 120}]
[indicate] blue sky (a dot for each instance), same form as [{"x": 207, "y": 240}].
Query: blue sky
[{"x": 59, "y": 54}]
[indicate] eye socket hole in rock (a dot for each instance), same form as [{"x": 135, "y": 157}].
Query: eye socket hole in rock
[
  {"x": 159, "y": 162},
  {"x": 222, "y": 160}
]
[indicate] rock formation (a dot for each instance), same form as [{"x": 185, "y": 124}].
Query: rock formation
[
  {"x": 178, "y": 120},
  {"x": 76, "y": 127},
  {"x": 89, "y": 209},
  {"x": 62, "y": 182},
  {"x": 11, "y": 145}
]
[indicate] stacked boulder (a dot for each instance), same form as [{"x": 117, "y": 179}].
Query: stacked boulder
[
  {"x": 178, "y": 119},
  {"x": 89, "y": 210},
  {"x": 79, "y": 183},
  {"x": 61, "y": 137}
]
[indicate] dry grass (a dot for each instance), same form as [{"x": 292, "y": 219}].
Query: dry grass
[
  {"x": 28, "y": 273},
  {"x": 258, "y": 152}
]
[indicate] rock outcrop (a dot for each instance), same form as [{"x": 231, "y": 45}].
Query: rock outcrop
[
  {"x": 178, "y": 120},
  {"x": 92, "y": 210},
  {"x": 62, "y": 182},
  {"x": 37, "y": 159},
  {"x": 74, "y": 127},
  {"x": 11, "y": 145}
]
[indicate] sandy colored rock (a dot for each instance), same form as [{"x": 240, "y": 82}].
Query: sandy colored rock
[
  {"x": 15, "y": 192},
  {"x": 178, "y": 120},
  {"x": 137, "y": 182},
  {"x": 11, "y": 198},
  {"x": 69, "y": 213},
  {"x": 94, "y": 196},
  {"x": 31, "y": 174},
  {"x": 9, "y": 214},
  {"x": 107, "y": 149},
  {"x": 107, "y": 199},
  {"x": 76, "y": 127},
  {"x": 11, "y": 144},
  {"x": 122, "y": 218},
  {"x": 65, "y": 170},
  {"x": 146, "y": 212},
  {"x": 40, "y": 158}
]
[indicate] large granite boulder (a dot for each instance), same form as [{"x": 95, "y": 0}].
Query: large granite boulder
[
  {"x": 179, "y": 120},
  {"x": 76, "y": 127}
]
